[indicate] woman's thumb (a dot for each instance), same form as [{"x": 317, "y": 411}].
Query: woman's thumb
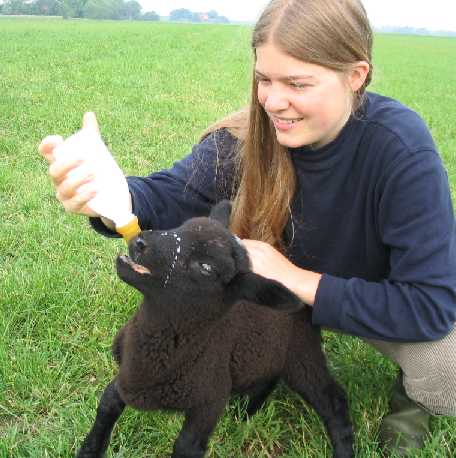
[
  {"x": 47, "y": 146},
  {"x": 90, "y": 123}
]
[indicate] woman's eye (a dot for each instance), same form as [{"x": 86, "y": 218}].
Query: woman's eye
[{"x": 299, "y": 85}]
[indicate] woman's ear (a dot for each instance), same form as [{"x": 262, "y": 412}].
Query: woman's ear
[{"x": 358, "y": 74}]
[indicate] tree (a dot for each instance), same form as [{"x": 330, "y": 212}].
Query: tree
[
  {"x": 181, "y": 14},
  {"x": 66, "y": 10},
  {"x": 104, "y": 9},
  {"x": 131, "y": 10},
  {"x": 75, "y": 8},
  {"x": 212, "y": 14},
  {"x": 221, "y": 20},
  {"x": 16, "y": 7},
  {"x": 47, "y": 7},
  {"x": 150, "y": 16}
]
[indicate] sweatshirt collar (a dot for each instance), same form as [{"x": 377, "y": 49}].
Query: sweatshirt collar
[{"x": 327, "y": 156}]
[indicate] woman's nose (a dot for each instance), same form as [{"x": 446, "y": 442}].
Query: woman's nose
[{"x": 276, "y": 101}]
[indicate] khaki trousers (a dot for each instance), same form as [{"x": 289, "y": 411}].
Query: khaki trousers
[{"x": 429, "y": 370}]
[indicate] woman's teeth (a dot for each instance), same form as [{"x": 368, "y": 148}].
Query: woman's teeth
[{"x": 289, "y": 121}]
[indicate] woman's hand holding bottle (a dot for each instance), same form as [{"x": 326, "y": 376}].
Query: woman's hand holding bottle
[
  {"x": 67, "y": 186},
  {"x": 87, "y": 179}
]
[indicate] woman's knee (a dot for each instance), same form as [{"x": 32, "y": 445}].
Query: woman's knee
[
  {"x": 432, "y": 381},
  {"x": 429, "y": 370}
]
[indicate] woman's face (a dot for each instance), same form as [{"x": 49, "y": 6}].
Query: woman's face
[{"x": 307, "y": 103}]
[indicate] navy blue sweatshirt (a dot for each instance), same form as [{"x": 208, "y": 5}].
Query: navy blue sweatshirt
[{"x": 372, "y": 213}]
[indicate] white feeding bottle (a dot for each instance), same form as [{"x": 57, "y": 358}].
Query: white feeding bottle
[{"x": 113, "y": 197}]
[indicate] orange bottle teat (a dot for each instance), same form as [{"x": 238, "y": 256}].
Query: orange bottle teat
[{"x": 129, "y": 230}]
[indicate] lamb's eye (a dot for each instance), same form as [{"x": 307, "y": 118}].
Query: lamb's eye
[
  {"x": 206, "y": 269},
  {"x": 202, "y": 268}
]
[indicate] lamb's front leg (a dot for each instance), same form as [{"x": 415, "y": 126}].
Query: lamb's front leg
[
  {"x": 198, "y": 425},
  {"x": 109, "y": 410}
]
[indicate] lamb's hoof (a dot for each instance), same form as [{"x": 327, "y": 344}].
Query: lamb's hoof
[{"x": 85, "y": 453}]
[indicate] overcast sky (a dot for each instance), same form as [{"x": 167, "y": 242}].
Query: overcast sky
[{"x": 433, "y": 15}]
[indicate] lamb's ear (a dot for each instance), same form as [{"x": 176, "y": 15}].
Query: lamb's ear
[
  {"x": 262, "y": 291},
  {"x": 221, "y": 212}
]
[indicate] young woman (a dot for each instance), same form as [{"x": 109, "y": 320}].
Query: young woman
[{"x": 338, "y": 193}]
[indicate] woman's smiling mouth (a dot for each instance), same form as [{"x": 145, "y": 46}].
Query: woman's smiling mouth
[{"x": 284, "y": 123}]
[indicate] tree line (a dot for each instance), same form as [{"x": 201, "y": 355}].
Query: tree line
[
  {"x": 183, "y": 14},
  {"x": 90, "y": 9},
  {"x": 101, "y": 9}
]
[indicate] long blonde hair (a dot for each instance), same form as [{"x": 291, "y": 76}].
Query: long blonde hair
[{"x": 331, "y": 33}]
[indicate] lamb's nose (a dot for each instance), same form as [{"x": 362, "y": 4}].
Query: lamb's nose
[{"x": 140, "y": 244}]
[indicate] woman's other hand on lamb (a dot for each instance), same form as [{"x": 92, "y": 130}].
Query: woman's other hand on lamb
[{"x": 271, "y": 263}]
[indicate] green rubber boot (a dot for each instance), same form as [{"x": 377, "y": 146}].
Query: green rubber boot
[{"x": 406, "y": 426}]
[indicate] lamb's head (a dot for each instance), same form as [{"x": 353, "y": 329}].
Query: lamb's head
[{"x": 199, "y": 262}]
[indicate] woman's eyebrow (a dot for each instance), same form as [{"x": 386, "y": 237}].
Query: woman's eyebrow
[{"x": 285, "y": 78}]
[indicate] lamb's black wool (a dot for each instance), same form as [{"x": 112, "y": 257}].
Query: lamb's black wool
[{"x": 209, "y": 327}]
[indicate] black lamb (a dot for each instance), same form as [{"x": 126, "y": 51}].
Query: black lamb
[{"x": 209, "y": 327}]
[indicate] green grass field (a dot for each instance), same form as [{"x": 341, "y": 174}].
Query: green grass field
[{"x": 154, "y": 87}]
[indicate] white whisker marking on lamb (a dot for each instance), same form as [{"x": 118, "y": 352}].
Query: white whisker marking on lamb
[{"x": 173, "y": 265}]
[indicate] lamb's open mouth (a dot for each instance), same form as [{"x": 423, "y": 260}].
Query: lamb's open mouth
[{"x": 136, "y": 267}]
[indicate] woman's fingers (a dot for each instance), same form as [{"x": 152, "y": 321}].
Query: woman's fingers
[
  {"x": 75, "y": 193},
  {"x": 47, "y": 145},
  {"x": 73, "y": 190},
  {"x": 58, "y": 170},
  {"x": 78, "y": 203},
  {"x": 68, "y": 188}
]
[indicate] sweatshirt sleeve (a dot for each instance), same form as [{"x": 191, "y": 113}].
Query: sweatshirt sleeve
[
  {"x": 417, "y": 300},
  {"x": 165, "y": 199}
]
